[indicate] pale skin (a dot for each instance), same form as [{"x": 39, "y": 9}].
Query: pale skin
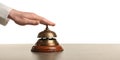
[{"x": 28, "y": 18}]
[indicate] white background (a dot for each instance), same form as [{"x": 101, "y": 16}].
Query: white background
[{"x": 77, "y": 21}]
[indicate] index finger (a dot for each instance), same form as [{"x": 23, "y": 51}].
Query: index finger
[{"x": 46, "y": 22}]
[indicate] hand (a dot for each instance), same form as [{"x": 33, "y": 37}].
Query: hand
[{"x": 28, "y": 18}]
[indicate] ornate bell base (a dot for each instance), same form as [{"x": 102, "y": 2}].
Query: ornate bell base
[{"x": 56, "y": 48}]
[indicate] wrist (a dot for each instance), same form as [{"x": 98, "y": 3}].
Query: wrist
[{"x": 13, "y": 13}]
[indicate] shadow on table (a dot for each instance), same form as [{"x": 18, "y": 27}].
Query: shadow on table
[{"x": 47, "y": 56}]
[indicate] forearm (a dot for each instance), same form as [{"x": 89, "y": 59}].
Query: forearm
[{"x": 4, "y": 12}]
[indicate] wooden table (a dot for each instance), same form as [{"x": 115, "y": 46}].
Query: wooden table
[{"x": 71, "y": 52}]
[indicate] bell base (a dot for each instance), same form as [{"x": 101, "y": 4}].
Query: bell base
[{"x": 57, "y": 48}]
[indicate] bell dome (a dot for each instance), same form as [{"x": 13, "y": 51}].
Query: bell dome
[{"x": 47, "y": 33}]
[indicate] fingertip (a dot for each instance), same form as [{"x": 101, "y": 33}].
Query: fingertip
[{"x": 53, "y": 25}]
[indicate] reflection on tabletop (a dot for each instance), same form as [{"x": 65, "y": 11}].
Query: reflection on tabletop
[{"x": 47, "y": 56}]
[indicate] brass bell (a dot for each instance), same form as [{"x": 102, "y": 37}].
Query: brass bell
[{"x": 47, "y": 42}]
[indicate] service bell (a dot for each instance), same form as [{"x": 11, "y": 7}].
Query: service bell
[{"x": 47, "y": 42}]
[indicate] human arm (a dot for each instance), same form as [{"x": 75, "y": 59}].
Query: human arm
[
  {"x": 21, "y": 18},
  {"x": 28, "y": 18}
]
